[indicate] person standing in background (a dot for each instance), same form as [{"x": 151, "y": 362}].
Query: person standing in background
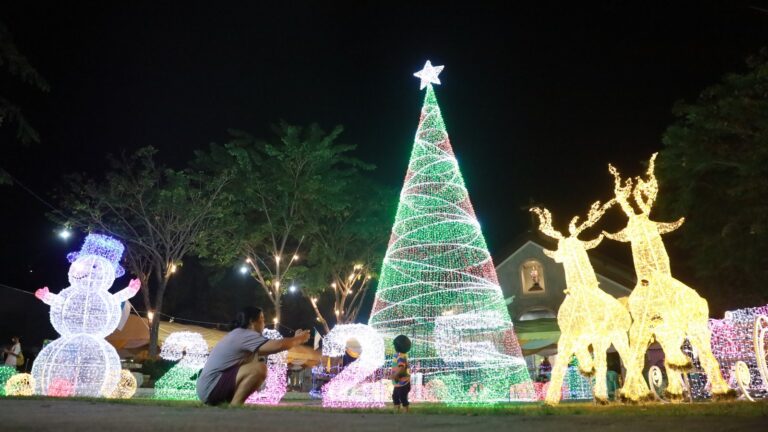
[{"x": 13, "y": 354}]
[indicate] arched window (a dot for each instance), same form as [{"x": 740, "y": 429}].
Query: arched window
[{"x": 532, "y": 276}]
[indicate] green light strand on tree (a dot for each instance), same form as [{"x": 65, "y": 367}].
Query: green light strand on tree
[{"x": 438, "y": 283}]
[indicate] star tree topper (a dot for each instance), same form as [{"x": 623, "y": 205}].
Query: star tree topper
[{"x": 429, "y": 74}]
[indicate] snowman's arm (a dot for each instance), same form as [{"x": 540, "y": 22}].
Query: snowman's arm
[
  {"x": 46, "y": 296},
  {"x": 129, "y": 291}
]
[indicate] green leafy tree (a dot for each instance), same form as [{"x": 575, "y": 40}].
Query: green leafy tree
[
  {"x": 16, "y": 65},
  {"x": 159, "y": 213},
  {"x": 345, "y": 250},
  {"x": 714, "y": 171},
  {"x": 282, "y": 189}
]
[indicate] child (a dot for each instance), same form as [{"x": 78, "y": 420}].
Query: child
[{"x": 401, "y": 376}]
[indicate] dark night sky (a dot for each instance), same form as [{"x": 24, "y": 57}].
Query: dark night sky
[{"x": 537, "y": 98}]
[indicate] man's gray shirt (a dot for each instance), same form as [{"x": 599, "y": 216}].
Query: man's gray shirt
[{"x": 231, "y": 350}]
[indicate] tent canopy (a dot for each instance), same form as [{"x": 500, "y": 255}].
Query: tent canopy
[{"x": 135, "y": 336}]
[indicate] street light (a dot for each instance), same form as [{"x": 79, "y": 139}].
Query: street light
[
  {"x": 292, "y": 288},
  {"x": 65, "y": 233},
  {"x": 243, "y": 269}
]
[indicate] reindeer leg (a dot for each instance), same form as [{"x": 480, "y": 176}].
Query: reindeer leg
[
  {"x": 601, "y": 369},
  {"x": 670, "y": 343},
  {"x": 564, "y": 352},
  {"x": 699, "y": 337},
  {"x": 635, "y": 387},
  {"x": 586, "y": 363},
  {"x": 671, "y": 340}
]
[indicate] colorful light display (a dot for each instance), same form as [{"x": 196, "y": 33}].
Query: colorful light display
[
  {"x": 22, "y": 384},
  {"x": 737, "y": 339},
  {"x": 576, "y": 386},
  {"x": 356, "y": 385},
  {"x": 126, "y": 387},
  {"x": 588, "y": 317},
  {"x": 6, "y": 372},
  {"x": 191, "y": 351},
  {"x": 438, "y": 279},
  {"x": 276, "y": 384},
  {"x": 662, "y": 307},
  {"x": 81, "y": 362},
  {"x": 761, "y": 347}
]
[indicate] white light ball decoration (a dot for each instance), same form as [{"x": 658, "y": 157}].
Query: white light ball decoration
[
  {"x": 79, "y": 365},
  {"x": 276, "y": 384},
  {"x": 355, "y": 386},
  {"x": 20, "y": 385},
  {"x": 191, "y": 351},
  {"x": 188, "y": 348},
  {"x": 78, "y": 310},
  {"x": 126, "y": 387}
]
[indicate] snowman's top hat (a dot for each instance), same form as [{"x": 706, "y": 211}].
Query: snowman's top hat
[{"x": 103, "y": 246}]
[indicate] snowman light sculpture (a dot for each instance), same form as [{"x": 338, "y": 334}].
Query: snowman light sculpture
[{"x": 81, "y": 362}]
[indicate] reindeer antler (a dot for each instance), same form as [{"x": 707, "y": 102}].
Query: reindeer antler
[
  {"x": 646, "y": 190},
  {"x": 620, "y": 192},
  {"x": 596, "y": 211},
  {"x": 545, "y": 223}
]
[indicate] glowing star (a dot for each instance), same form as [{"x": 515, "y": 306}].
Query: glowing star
[
  {"x": 276, "y": 384},
  {"x": 438, "y": 284},
  {"x": 355, "y": 385},
  {"x": 428, "y": 75},
  {"x": 662, "y": 307},
  {"x": 588, "y": 317},
  {"x": 81, "y": 362},
  {"x": 191, "y": 351}
]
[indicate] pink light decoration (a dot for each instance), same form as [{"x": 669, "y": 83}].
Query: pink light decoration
[
  {"x": 355, "y": 386},
  {"x": 276, "y": 384},
  {"x": 540, "y": 388},
  {"x": 60, "y": 387},
  {"x": 733, "y": 341},
  {"x": 522, "y": 392}
]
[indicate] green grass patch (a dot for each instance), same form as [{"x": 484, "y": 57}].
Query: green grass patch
[{"x": 737, "y": 408}]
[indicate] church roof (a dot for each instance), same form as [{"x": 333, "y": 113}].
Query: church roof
[{"x": 605, "y": 265}]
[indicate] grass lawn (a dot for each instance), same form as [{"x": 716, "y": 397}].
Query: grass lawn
[{"x": 736, "y": 408}]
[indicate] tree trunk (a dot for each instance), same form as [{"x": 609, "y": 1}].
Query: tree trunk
[
  {"x": 162, "y": 283},
  {"x": 154, "y": 328},
  {"x": 144, "y": 278},
  {"x": 277, "y": 303}
]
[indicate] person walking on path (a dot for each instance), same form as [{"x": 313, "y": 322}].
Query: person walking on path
[{"x": 13, "y": 355}]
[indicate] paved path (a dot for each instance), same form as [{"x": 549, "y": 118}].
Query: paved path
[{"x": 65, "y": 416}]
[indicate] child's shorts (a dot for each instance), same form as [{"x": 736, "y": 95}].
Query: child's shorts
[{"x": 400, "y": 395}]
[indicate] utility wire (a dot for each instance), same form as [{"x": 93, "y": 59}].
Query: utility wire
[
  {"x": 31, "y": 192},
  {"x": 16, "y": 289}
]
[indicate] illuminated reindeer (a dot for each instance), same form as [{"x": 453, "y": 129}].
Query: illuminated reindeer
[
  {"x": 661, "y": 306},
  {"x": 588, "y": 317}
]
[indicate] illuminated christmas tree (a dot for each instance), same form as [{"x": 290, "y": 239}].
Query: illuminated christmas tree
[{"x": 438, "y": 283}]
